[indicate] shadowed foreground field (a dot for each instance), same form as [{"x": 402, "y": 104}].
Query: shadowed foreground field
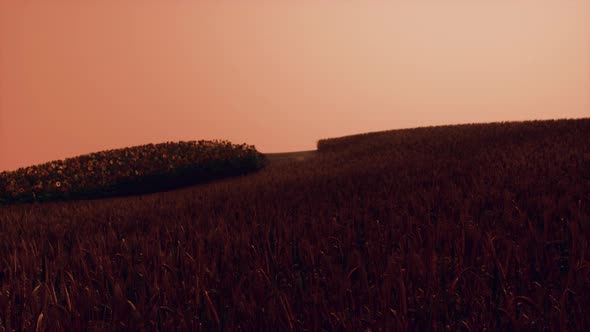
[{"x": 472, "y": 227}]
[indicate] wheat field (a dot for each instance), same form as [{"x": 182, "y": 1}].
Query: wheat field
[{"x": 481, "y": 227}]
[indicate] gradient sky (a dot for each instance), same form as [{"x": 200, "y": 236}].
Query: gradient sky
[{"x": 83, "y": 76}]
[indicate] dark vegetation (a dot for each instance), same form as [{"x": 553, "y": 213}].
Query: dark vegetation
[
  {"x": 472, "y": 227},
  {"x": 136, "y": 170}
]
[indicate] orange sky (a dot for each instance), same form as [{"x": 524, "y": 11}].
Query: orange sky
[{"x": 82, "y": 76}]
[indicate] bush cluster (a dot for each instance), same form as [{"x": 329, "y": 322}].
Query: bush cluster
[{"x": 134, "y": 170}]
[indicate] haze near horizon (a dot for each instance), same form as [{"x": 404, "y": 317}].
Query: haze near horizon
[{"x": 81, "y": 77}]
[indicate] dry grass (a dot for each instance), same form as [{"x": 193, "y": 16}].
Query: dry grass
[{"x": 476, "y": 227}]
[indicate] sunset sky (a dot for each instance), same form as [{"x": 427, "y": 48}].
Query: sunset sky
[{"x": 82, "y": 76}]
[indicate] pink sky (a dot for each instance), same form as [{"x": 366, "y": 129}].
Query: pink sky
[{"x": 83, "y": 76}]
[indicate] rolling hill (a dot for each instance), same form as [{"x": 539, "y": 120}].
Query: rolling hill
[{"x": 467, "y": 227}]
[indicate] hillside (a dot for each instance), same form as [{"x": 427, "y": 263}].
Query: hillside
[{"x": 471, "y": 227}]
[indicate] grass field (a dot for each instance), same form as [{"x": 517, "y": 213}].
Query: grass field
[{"x": 471, "y": 227}]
